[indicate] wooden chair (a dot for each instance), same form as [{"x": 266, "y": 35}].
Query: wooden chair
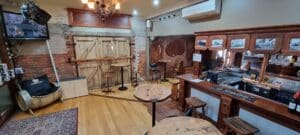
[
  {"x": 175, "y": 83},
  {"x": 178, "y": 68},
  {"x": 238, "y": 126},
  {"x": 155, "y": 72},
  {"x": 195, "y": 103}
]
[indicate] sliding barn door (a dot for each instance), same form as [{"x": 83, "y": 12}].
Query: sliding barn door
[{"x": 97, "y": 54}]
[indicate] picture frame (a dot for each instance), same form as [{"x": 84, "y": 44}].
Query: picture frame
[
  {"x": 201, "y": 43},
  {"x": 217, "y": 42},
  {"x": 238, "y": 43},
  {"x": 291, "y": 44},
  {"x": 267, "y": 43}
]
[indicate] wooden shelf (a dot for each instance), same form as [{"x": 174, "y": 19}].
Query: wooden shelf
[{"x": 294, "y": 78}]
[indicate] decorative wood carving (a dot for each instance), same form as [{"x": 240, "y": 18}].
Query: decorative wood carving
[
  {"x": 201, "y": 43},
  {"x": 213, "y": 44},
  {"x": 254, "y": 47},
  {"x": 175, "y": 48},
  {"x": 88, "y": 18},
  {"x": 286, "y": 48},
  {"x": 232, "y": 48}
]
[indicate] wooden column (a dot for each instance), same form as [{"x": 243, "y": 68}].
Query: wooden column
[{"x": 263, "y": 67}]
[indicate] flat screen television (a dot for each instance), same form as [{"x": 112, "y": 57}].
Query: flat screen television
[{"x": 16, "y": 27}]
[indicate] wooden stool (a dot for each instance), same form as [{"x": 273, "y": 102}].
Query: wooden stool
[
  {"x": 195, "y": 103},
  {"x": 134, "y": 79},
  {"x": 174, "y": 89},
  {"x": 239, "y": 126},
  {"x": 108, "y": 76}
]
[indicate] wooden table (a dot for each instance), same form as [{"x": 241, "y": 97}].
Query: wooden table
[
  {"x": 184, "y": 126},
  {"x": 121, "y": 65},
  {"x": 152, "y": 93},
  {"x": 164, "y": 62}
]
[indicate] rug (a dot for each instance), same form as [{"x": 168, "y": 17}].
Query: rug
[{"x": 59, "y": 123}]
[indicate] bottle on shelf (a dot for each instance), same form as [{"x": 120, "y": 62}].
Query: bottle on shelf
[
  {"x": 298, "y": 108},
  {"x": 292, "y": 106}
]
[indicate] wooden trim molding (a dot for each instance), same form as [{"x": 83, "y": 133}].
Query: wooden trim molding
[
  {"x": 286, "y": 48},
  {"x": 201, "y": 43},
  {"x": 245, "y": 37},
  {"x": 253, "y": 30},
  {"x": 216, "y": 38},
  {"x": 254, "y": 47},
  {"x": 88, "y": 18}
]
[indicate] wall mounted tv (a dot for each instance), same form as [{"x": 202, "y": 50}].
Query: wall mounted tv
[{"x": 16, "y": 27}]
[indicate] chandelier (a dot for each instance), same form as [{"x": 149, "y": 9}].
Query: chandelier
[{"x": 103, "y": 8}]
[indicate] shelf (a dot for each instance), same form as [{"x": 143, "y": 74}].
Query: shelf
[{"x": 294, "y": 78}]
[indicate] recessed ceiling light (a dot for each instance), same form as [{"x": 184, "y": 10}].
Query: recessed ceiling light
[
  {"x": 135, "y": 12},
  {"x": 155, "y": 2}
]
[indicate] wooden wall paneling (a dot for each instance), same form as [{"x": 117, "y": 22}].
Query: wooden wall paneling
[
  {"x": 277, "y": 47},
  {"x": 245, "y": 37},
  {"x": 286, "y": 48},
  {"x": 201, "y": 42},
  {"x": 88, "y": 18},
  {"x": 217, "y": 37},
  {"x": 176, "y": 47}
]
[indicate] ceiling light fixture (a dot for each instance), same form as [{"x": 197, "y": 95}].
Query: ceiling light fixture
[
  {"x": 155, "y": 2},
  {"x": 135, "y": 12},
  {"x": 103, "y": 8}
]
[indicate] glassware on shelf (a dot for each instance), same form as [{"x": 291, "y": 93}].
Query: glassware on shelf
[
  {"x": 273, "y": 59},
  {"x": 297, "y": 63}
]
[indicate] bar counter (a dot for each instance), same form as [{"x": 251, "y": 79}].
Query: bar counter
[{"x": 266, "y": 108}]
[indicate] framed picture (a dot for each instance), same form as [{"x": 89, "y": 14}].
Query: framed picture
[
  {"x": 291, "y": 44},
  {"x": 238, "y": 43},
  {"x": 201, "y": 42},
  {"x": 266, "y": 43},
  {"x": 217, "y": 42}
]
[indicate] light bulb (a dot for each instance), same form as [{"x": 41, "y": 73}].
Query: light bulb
[
  {"x": 84, "y": 1},
  {"x": 118, "y": 6},
  {"x": 91, "y": 5}
]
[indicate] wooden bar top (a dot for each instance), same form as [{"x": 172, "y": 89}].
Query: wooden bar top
[{"x": 267, "y": 108}]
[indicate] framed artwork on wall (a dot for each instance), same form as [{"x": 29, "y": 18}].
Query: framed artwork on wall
[
  {"x": 291, "y": 44},
  {"x": 217, "y": 42},
  {"x": 266, "y": 43},
  {"x": 201, "y": 42},
  {"x": 238, "y": 43}
]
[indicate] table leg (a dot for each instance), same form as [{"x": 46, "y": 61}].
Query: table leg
[
  {"x": 153, "y": 113},
  {"x": 122, "y": 79},
  {"x": 165, "y": 73}
]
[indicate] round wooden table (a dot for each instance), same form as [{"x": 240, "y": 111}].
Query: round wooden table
[
  {"x": 164, "y": 62},
  {"x": 121, "y": 65},
  {"x": 152, "y": 93},
  {"x": 184, "y": 126}
]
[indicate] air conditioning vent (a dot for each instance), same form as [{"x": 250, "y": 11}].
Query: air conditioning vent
[{"x": 202, "y": 11}]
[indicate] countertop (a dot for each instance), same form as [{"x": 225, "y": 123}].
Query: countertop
[{"x": 278, "y": 111}]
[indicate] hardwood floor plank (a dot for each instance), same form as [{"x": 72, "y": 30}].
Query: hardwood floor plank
[{"x": 102, "y": 116}]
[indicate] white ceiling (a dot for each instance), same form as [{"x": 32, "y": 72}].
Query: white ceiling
[{"x": 144, "y": 7}]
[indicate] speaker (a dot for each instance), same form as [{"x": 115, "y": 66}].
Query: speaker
[{"x": 33, "y": 12}]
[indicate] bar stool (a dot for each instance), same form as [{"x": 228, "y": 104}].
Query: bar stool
[
  {"x": 134, "y": 79},
  {"x": 108, "y": 76},
  {"x": 195, "y": 103},
  {"x": 239, "y": 126},
  {"x": 175, "y": 90}
]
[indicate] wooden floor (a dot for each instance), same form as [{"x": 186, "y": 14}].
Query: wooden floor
[
  {"x": 127, "y": 94},
  {"x": 103, "y": 116}
]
